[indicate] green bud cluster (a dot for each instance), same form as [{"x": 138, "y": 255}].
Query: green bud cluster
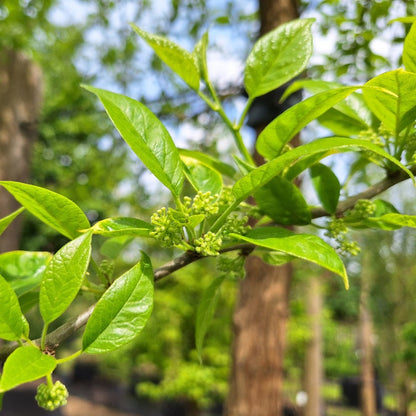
[
  {"x": 363, "y": 208},
  {"x": 235, "y": 224},
  {"x": 204, "y": 203},
  {"x": 337, "y": 230},
  {"x": 51, "y": 397},
  {"x": 226, "y": 197},
  {"x": 166, "y": 229},
  {"x": 209, "y": 244},
  {"x": 371, "y": 135}
]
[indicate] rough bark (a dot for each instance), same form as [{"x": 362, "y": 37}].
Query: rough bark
[
  {"x": 368, "y": 394},
  {"x": 260, "y": 318},
  {"x": 313, "y": 357},
  {"x": 20, "y": 101}
]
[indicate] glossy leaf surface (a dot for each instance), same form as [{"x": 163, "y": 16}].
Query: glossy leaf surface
[
  {"x": 409, "y": 50},
  {"x": 122, "y": 226},
  {"x": 278, "y": 56},
  {"x": 63, "y": 277},
  {"x": 23, "y": 365},
  {"x": 326, "y": 185},
  {"x": 13, "y": 324},
  {"x": 6, "y": 221},
  {"x": 123, "y": 310},
  {"x": 304, "y": 246},
  {"x": 53, "y": 209},
  {"x": 180, "y": 61},
  {"x": 284, "y": 127},
  {"x": 283, "y": 202},
  {"x": 23, "y": 269},
  {"x": 146, "y": 136}
]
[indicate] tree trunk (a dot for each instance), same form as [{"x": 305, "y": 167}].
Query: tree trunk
[
  {"x": 368, "y": 394},
  {"x": 20, "y": 100},
  {"x": 313, "y": 357},
  {"x": 262, "y": 310}
]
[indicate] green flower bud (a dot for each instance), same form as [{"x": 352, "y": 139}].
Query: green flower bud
[
  {"x": 209, "y": 244},
  {"x": 51, "y": 397}
]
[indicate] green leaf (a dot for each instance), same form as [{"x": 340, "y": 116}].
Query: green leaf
[
  {"x": 23, "y": 365},
  {"x": 326, "y": 185},
  {"x": 23, "y": 269},
  {"x": 391, "y": 97},
  {"x": 205, "y": 311},
  {"x": 200, "y": 53},
  {"x": 283, "y": 202},
  {"x": 53, "y": 209},
  {"x": 278, "y": 57},
  {"x": 391, "y": 221},
  {"x": 258, "y": 177},
  {"x": 122, "y": 226},
  {"x": 284, "y": 127},
  {"x": 208, "y": 160},
  {"x": 6, "y": 221},
  {"x": 304, "y": 246},
  {"x": 123, "y": 310},
  {"x": 114, "y": 246},
  {"x": 13, "y": 325},
  {"x": 28, "y": 301},
  {"x": 180, "y": 61},
  {"x": 409, "y": 50},
  {"x": 146, "y": 136},
  {"x": 204, "y": 179},
  {"x": 275, "y": 258},
  {"x": 63, "y": 277}
]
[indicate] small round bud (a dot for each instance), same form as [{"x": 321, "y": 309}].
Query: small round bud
[{"x": 51, "y": 397}]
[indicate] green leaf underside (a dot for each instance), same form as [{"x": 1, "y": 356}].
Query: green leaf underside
[
  {"x": 122, "y": 226},
  {"x": 23, "y": 269},
  {"x": 304, "y": 246},
  {"x": 278, "y": 57},
  {"x": 205, "y": 311},
  {"x": 208, "y": 160},
  {"x": 283, "y": 202},
  {"x": 391, "y": 221},
  {"x": 326, "y": 185},
  {"x": 258, "y": 177},
  {"x": 23, "y": 365},
  {"x": 391, "y": 97},
  {"x": 179, "y": 60},
  {"x": 6, "y": 221},
  {"x": 409, "y": 50},
  {"x": 63, "y": 277},
  {"x": 146, "y": 136},
  {"x": 200, "y": 52},
  {"x": 284, "y": 127},
  {"x": 13, "y": 324},
  {"x": 53, "y": 209},
  {"x": 123, "y": 310},
  {"x": 204, "y": 179}
]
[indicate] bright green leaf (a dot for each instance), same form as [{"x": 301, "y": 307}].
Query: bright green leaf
[
  {"x": 284, "y": 127},
  {"x": 200, "y": 52},
  {"x": 283, "y": 202},
  {"x": 146, "y": 136},
  {"x": 28, "y": 300},
  {"x": 304, "y": 246},
  {"x": 326, "y": 185},
  {"x": 203, "y": 178},
  {"x": 63, "y": 277},
  {"x": 13, "y": 324},
  {"x": 180, "y": 61},
  {"x": 123, "y": 310},
  {"x": 278, "y": 56},
  {"x": 23, "y": 365},
  {"x": 409, "y": 50},
  {"x": 205, "y": 311},
  {"x": 53, "y": 209},
  {"x": 122, "y": 226},
  {"x": 258, "y": 177},
  {"x": 23, "y": 269},
  {"x": 6, "y": 221},
  {"x": 392, "y": 99}
]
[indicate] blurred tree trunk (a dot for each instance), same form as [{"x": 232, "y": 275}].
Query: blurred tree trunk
[
  {"x": 313, "y": 357},
  {"x": 261, "y": 314},
  {"x": 20, "y": 101},
  {"x": 368, "y": 394}
]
